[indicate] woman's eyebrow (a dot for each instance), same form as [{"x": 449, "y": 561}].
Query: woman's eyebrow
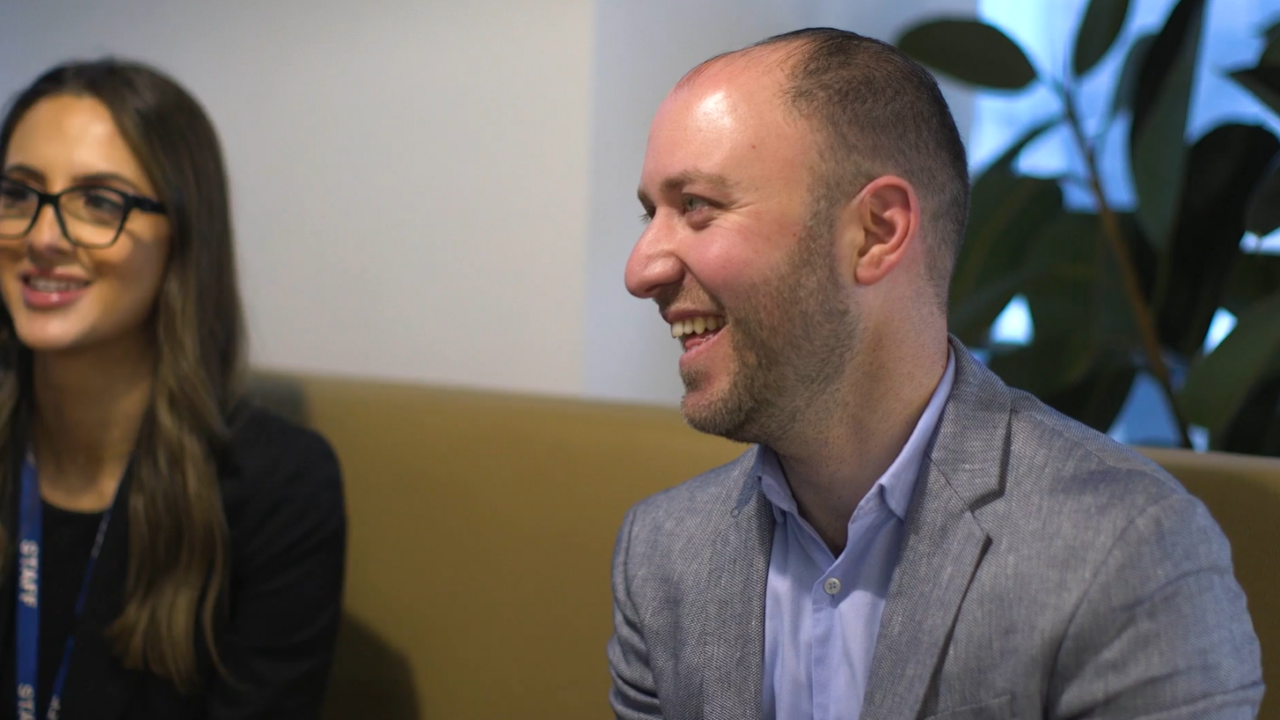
[{"x": 101, "y": 178}]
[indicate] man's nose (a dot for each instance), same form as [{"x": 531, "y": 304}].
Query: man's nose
[{"x": 654, "y": 264}]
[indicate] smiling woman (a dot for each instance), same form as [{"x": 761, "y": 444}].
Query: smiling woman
[
  {"x": 51, "y": 260},
  {"x": 169, "y": 551}
]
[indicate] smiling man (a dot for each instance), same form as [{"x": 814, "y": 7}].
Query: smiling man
[{"x": 907, "y": 537}]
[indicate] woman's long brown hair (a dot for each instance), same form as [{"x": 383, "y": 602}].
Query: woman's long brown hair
[{"x": 178, "y": 537}]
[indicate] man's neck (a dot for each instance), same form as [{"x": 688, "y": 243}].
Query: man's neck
[
  {"x": 833, "y": 464},
  {"x": 88, "y": 407}
]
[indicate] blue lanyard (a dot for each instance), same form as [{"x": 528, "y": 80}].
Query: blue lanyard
[{"x": 28, "y": 609}]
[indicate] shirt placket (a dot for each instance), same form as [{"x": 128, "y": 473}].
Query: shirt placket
[
  {"x": 824, "y": 651},
  {"x": 827, "y": 594}
]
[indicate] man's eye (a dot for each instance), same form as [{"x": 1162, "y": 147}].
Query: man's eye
[{"x": 692, "y": 203}]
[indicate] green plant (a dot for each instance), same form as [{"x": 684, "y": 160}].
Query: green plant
[{"x": 1116, "y": 293}]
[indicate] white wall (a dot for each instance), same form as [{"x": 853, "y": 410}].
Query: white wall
[
  {"x": 410, "y": 178},
  {"x": 642, "y": 48},
  {"x": 439, "y": 191}
]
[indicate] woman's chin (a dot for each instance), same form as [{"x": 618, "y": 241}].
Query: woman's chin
[{"x": 46, "y": 340}]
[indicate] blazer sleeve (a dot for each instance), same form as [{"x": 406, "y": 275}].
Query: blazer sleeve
[
  {"x": 284, "y": 605},
  {"x": 633, "y": 695},
  {"x": 1163, "y": 630}
]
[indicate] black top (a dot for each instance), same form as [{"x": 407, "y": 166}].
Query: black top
[
  {"x": 66, "y": 541},
  {"x": 282, "y": 495}
]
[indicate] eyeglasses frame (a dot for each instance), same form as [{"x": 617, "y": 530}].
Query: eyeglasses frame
[{"x": 131, "y": 202}]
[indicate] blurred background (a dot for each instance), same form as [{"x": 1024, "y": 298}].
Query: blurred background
[
  {"x": 444, "y": 192},
  {"x": 1120, "y": 260}
]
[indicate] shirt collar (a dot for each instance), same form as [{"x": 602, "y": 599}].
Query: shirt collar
[{"x": 895, "y": 486}]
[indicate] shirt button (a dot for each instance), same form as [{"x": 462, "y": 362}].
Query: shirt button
[{"x": 832, "y": 586}]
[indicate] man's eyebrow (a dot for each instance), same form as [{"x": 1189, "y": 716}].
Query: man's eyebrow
[
  {"x": 676, "y": 183},
  {"x": 690, "y": 177}
]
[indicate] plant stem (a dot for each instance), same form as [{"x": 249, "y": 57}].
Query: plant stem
[{"x": 1116, "y": 240}]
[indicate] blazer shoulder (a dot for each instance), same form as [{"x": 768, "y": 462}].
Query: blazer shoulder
[
  {"x": 270, "y": 457},
  {"x": 695, "y": 500},
  {"x": 1065, "y": 479}
]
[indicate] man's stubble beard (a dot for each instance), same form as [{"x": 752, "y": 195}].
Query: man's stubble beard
[{"x": 790, "y": 344}]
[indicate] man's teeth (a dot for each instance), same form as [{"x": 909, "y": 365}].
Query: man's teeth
[
  {"x": 52, "y": 285},
  {"x": 695, "y": 326}
]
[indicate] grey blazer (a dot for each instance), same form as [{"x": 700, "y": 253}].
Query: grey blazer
[{"x": 1045, "y": 572}]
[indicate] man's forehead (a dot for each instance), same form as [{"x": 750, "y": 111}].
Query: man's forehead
[
  {"x": 731, "y": 102},
  {"x": 723, "y": 119},
  {"x": 693, "y": 136},
  {"x": 754, "y": 64},
  {"x": 747, "y": 82}
]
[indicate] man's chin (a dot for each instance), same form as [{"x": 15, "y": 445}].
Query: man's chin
[{"x": 721, "y": 416}]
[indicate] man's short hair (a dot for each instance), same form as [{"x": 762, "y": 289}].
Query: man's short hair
[{"x": 877, "y": 112}]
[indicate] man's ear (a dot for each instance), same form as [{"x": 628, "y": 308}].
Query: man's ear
[{"x": 877, "y": 227}]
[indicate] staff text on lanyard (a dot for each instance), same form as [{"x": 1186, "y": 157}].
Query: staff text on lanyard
[{"x": 30, "y": 522}]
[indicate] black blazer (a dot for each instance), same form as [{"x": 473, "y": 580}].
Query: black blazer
[{"x": 282, "y": 494}]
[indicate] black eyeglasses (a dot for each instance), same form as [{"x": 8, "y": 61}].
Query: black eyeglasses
[{"x": 90, "y": 216}]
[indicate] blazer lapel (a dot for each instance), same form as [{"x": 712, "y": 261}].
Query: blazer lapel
[
  {"x": 731, "y": 635},
  {"x": 943, "y": 544},
  {"x": 98, "y": 685}
]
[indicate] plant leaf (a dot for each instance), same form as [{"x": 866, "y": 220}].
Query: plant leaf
[
  {"x": 1271, "y": 54},
  {"x": 1009, "y": 157},
  {"x": 1081, "y": 359},
  {"x": 973, "y": 315},
  {"x": 1264, "y": 82},
  {"x": 1098, "y": 398},
  {"x": 1145, "y": 260},
  {"x": 1102, "y": 23},
  {"x": 1184, "y": 21},
  {"x": 1013, "y": 209},
  {"x": 1222, "y": 169},
  {"x": 1272, "y": 34},
  {"x": 1127, "y": 85},
  {"x": 1218, "y": 385},
  {"x": 1157, "y": 137},
  {"x": 1095, "y": 399},
  {"x": 970, "y": 51},
  {"x": 1006, "y": 211},
  {"x": 1065, "y": 306},
  {"x": 1263, "y": 216},
  {"x": 1255, "y": 429},
  {"x": 1045, "y": 367},
  {"x": 1253, "y": 277}
]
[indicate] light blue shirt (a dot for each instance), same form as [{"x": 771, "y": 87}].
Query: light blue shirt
[{"x": 822, "y": 613}]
